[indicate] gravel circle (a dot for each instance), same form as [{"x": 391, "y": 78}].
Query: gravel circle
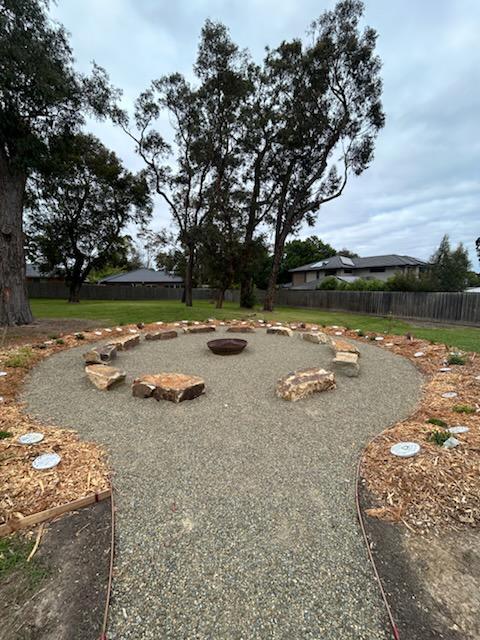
[{"x": 235, "y": 511}]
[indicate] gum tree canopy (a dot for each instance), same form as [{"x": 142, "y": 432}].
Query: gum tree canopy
[
  {"x": 80, "y": 208},
  {"x": 41, "y": 96}
]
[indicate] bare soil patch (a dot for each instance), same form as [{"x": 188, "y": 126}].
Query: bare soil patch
[
  {"x": 43, "y": 329},
  {"x": 69, "y": 600}
]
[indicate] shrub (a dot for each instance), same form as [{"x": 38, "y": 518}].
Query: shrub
[
  {"x": 363, "y": 284},
  {"x": 329, "y": 283},
  {"x": 437, "y": 422},
  {"x": 463, "y": 408},
  {"x": 455, "y": 358},
  {"x": 79, "y": 336},
  {"x": 439, "y": 436},
  {"x": 59, "y": 341},
  {"x": 5, "y": 434},
  {"x": 20, "y": 358}
]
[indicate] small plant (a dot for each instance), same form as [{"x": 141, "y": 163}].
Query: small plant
[
  {"x": 437, "y": 422},
  {"x": 5, "y": 434},
  {"x": 53, "y": 337},
  {"x": 360, "y": 334},
  {"x": 372, "y": 337},
  {"x": 456, "y": 358},
  {"x": 79, "y": 336},
  {"x": 439, "y": 436},
  {"x": 463, "y": 408},
  {"x": 59, "y": 341},
  {"x": 20, "y": 358}
]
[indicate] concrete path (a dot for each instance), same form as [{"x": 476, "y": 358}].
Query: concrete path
[{"x": 236, "y": 512}]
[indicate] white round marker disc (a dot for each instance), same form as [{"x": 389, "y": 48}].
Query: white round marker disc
[
  {"x": 459, "y": 429},
  {"x": 46, "y": 461},
  {"x": 97, "y": 333},
  {"x": 379, "y": 338},
  {"x": 405, "y": 449},
  {"x": 445, "y": 369},
  {"x": 419, "y": 354},
  {"x": 31, "y": 438},
  {"x": 3, "y": 373},
  {"x": 450, "y": 394}
]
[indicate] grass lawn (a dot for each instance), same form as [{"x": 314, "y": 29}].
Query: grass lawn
[{"x": 109, "y": 312}]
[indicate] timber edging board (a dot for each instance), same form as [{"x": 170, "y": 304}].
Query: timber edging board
[{"x": 16, "y": 524}]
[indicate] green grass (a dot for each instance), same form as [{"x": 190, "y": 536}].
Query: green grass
[
  {"x": 14, "y": 552},
  {"x": 110, "y": 312}
]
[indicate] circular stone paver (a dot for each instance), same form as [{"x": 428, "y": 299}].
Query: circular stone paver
[{"x": 235, "y": 511}]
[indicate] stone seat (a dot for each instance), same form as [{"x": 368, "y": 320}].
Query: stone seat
[
  {"x": 317, "y": 337},
  {"x": 126, "y": 342},
  {"x": 343, "y": 346},
  {"x": 175, "y": 387},
  {"x": 199, "y": 328},
  {"x": 346, "y": 363},
  {"x": 103, "y": 376},
  {"x": 280, "y": 331},
  {"x": 162, "y": 334},
  {"x": 100, "y": 355},
  {"x": 303, "y": 382}
]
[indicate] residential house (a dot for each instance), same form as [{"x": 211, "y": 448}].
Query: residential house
[
  {"x": 148, "y": 277},
  {"x": 350, "y": 269}
]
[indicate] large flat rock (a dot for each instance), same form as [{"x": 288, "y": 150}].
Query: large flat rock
[
  {"x": 175, "y": 387},
  {"x": 101, "y": 355},
  {"x": 346, "y": 363},
  {"x": 199, "y": 328},
  {"x": 344, "y": 346},
  {"x": 103, "y": 376},
  {"x": 162, "y": 334},
  {"x": 317, "y": 337},
  {"x": 240, "y": 328},
  {"x": 303, "y": 382},
  {"x": 126, "y": 342},
  {"x": 280, "y": 331}
]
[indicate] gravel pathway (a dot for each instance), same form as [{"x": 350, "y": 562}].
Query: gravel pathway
[{"x": 236, "y": 512}]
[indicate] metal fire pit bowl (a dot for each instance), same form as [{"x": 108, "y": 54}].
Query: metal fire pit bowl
[{"x": 227, "y": 346}]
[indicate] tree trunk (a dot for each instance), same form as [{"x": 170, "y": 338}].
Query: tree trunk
[
  {"x": 14, "y": 305},
  {"x": 74, "y": 292},
  {"x": 220, "y": 298},
  {"x": 272, "y": 281},
  {"x": 246, "y": 276},
  {"x": 189, "y": 278}
]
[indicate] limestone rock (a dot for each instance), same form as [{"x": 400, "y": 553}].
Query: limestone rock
[
  {"x": 344, "y": 346},
  {"x": 200, "y": 328},
  {"x": 315, "y": 336},
  {"x": 346, "y": 363},
  {"x": 303, "y": 382},
  {"x": 100, "y": 355},
  {"x": 240, "y": 329},
  {"x": 175, "y": 387},
  {"x": 280, "y": 331},
  {"x": 103, "y": 376},
  {"x": 126, "y": 342},
  {"x": 164, "y": 334}
]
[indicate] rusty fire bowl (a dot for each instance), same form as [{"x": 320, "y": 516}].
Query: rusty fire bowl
[{"x": 227, "y": 346}]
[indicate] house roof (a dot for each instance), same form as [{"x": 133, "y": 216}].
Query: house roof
[
  {"x": 139, "y": 276},
  {"x": 343, "y": 262},
  {"x": 33, "y": 271}
]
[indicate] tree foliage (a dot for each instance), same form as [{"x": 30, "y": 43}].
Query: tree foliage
[
  {"x": 80, "y": 208},
  {"x": 449, "y": 267},
  {"x": 41, "y": 97}
]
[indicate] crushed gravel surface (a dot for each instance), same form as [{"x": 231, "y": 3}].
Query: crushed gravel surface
[{"x": 235, "y": 511}]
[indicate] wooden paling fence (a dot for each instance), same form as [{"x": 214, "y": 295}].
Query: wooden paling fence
[{"x": 461, "y": 308}]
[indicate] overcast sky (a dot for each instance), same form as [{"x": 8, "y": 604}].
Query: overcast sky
[{"x": 425, "y": 178}]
